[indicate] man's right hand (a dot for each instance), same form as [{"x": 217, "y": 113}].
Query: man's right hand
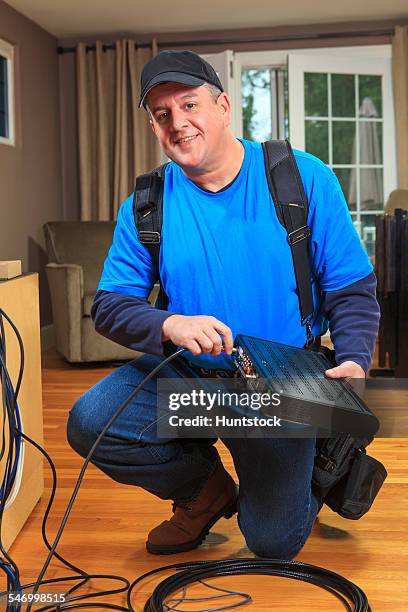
[{"x": 198, "y": 334}]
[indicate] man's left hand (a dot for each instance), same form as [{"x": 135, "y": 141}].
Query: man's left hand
[{"x": 347, "y": 369}]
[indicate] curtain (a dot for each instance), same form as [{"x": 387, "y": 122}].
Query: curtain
[
  {"x": 371, "y": 186},
  {"x": 400, "y": 85},
  {"x": 114, "y": 136}
]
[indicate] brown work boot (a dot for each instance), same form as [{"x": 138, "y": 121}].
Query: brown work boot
[{"x": 192, "y": 520}]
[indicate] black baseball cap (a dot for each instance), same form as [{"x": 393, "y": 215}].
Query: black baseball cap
[{"x": 185, "y": 67}]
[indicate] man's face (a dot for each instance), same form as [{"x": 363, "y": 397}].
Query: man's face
[{"x": 189, "y": 124}]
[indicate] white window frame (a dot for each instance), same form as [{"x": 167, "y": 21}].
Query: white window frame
[
  {"x": 224, "y": 64},
  {"x": 7, "y": 51},
  {"x": 300, "y": 63},
  {"x": 252, "y": 59},
  {"x": 357, "y": 54}
]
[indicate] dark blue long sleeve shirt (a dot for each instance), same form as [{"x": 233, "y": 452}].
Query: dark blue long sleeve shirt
[{"x": 353, "y": 315}]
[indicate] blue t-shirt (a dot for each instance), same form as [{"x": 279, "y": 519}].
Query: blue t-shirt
[{"x": 226, "y": 254}]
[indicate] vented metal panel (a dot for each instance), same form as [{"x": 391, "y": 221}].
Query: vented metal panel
[{"x": 299, "y": 374}]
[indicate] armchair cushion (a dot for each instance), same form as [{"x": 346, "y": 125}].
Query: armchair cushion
[
  {"x": 76, "y": 252},
  {"x": 85, "y": 243}
]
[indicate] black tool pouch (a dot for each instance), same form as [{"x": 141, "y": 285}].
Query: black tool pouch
[
  {"x": 344, "y": 476},
  {"x": 334, "y": 458},
  {"x": 355, "y": 492}
]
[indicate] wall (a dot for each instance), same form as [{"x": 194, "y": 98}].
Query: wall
[{"x": 30, "y": 172}]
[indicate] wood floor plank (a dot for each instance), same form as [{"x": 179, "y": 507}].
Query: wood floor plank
[{"x": 107, "y": 528}]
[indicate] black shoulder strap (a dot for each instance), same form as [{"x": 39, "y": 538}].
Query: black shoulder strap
[
  {"x": 292, "y": 208},
  {"x": 148, "y": 213}
]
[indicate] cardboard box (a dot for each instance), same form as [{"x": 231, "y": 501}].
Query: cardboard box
[{"x": 10, "y": 269}]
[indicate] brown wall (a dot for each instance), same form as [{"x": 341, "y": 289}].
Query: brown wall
[{"x": 30, "y": 172}]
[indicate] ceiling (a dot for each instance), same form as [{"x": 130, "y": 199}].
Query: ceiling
[{"x": 72, "y": 18}]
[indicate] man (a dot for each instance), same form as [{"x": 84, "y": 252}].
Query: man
[{"x": 226, "y": 268}]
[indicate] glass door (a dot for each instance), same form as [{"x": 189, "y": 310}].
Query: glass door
[
  {"x": 264, "y": 99},
  {"x": 337, "y": 106},
  {"x": 341, "y": 112}
]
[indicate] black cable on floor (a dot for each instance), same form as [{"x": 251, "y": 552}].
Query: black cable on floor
[
  {"x": 10, "y": 395},
  {"x": 186, "y": 573},
  {"x": 87, "y": 460},
  {"x": 244, "y": 598}
]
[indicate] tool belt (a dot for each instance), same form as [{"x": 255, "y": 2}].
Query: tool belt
[{"x": 344, "y": 476}]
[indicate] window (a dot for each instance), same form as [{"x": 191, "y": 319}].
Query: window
[
  {"x": 343, "y": 113},
  {"x": 263, "y": 95},
  {"x": 6, "y": 94},
  {"x": 264, "y": 98},
  {"x": 344, "y": 127},
  {"x": 337, "y": 106}
]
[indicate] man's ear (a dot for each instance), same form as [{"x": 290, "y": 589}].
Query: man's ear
[
  {"x": 224, "y": 104},
  {"x": 224, "y": 101},
  {"x": 152, "y": 126}
]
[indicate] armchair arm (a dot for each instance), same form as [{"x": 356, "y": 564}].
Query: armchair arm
[{"x": 66, "y": 282}]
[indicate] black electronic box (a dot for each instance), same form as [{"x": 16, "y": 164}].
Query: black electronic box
[{"x": 307, "y": 395}]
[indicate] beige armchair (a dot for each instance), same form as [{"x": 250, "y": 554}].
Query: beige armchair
[{"x": 76, "y": 252}]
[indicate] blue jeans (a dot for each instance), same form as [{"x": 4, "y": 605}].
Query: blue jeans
[{"x": 276, "y": 507}]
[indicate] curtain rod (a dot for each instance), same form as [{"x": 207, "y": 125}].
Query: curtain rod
[{"x": 231, "y": 41}]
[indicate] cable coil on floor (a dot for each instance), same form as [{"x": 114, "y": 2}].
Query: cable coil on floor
[{"x": 189, "y": 573}]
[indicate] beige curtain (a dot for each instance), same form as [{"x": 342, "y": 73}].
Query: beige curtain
[
  {"x": 400, "y": 85},
  {"x": 115, "y": 140}
]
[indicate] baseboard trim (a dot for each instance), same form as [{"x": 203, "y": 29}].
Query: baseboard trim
[{"x": 47, "y": 337}]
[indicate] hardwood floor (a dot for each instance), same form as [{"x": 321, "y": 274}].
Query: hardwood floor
[{"x": 108, "y": 524}]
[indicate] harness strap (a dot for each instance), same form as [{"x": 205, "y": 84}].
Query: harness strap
[
  {"x": 148, "y": 213},
  {"x": 292, "y": 207}
]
